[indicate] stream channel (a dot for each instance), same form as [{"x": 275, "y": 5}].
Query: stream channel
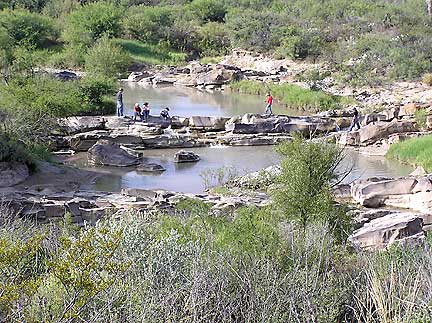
[{"x": 192, "y": 177}]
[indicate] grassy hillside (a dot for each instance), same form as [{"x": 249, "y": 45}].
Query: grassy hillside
[
  {"x": 365, "y": 42},
  {"x": 416, "y": 151}
]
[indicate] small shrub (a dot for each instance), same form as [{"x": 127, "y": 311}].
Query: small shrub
[
  {"x": 420, "y": 118},
  {"x": 107, "y": 59},
  {"x": 427, "y": 79}
]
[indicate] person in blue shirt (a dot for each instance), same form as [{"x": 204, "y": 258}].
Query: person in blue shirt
[{"x": 120, "y": 103}]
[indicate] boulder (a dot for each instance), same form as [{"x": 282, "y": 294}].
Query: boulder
[
  {"x": 150, "y": 168},
  {"x": 107, "y": 153},
  {"x": 419, "y": 171},
  {"x": 66, "y": 76},
  {"x": 12, "y": 173},
  {"x": 382, "y": 232},
  {"x": 207, "y": 123},
  {"x": 382, "y": 130},
  {"x": 304, "y": 125},
  {"x": 73, "y": 125},
  {"x": 184, "y": 156},
  {"x": 218, "y": 76},
  {"x": 138, "y": 76},
  {"x": 429, "y": 122},
  {"x": 170, "y": 141},
  {"x": 406, "y": 192},
  {"x": 408, "y": 110}
]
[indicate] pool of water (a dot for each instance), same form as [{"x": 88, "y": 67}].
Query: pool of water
[
  {"x": 193, "y": 177},
  {"x": 186, "y": 102}
]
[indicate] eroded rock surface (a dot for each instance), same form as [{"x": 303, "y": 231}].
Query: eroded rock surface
[
  {"x": 108, "y": 153},
  {"x": 12, "y": 173}
]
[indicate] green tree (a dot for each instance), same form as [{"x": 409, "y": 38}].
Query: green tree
[
  {"x": 87, "y": 24},
  {"x": 27, "y": 29},
  {"x": 208, "y": 10},
  {"x": 303, "y": 190}
]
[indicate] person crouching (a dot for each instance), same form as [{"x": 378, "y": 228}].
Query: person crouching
[{"x": 137, "y": 112}]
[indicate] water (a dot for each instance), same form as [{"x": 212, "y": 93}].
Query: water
[
  {"x": 186, "y": 102},
  {"x": 188, "y": 177}
]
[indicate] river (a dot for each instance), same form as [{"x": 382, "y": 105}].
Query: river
[
  {"x": 192, "y": 177},
  {"x": 186, "y": 102}
]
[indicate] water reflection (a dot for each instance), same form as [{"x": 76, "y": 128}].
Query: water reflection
[
  {"x": 187, "y": 102},
  {"x": 188, "y": 177}
]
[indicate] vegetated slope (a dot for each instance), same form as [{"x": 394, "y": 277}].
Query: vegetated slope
[
  {"x": 365, "y": 41},
  {"x": 416, "y": 151}
]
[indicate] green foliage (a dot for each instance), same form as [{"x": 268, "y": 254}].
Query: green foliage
[
  {"x": 150, "y": 54},
  {"x": 420, "y": 118},
  {"x": 149, "y": 24},
  {"x": 208, "y": 10},
  {"x": 106, "y": 58},
  {"x": 87, "y": 24},
  {"x": 252, "y": 29},
  {"x": 56, "y": 276},
  {"x": 417, "y": 151},
  {"x": 427, "y": 79},
  {"x": 12, "y": 150},
  {"x": 212, "y": 39},
  {"x": 27, "y": 29},
  {"x": 303, "y": 189},
  {"x": 291, "y": 95},
  {"x": 300, "y": 44}
]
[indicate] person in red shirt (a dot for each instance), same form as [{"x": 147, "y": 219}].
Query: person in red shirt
[
  {"x": 269, "y": 101},
  {"x": 137, "y": 112}
]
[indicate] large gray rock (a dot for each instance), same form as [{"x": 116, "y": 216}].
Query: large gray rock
[
  {"x": 304, "y": 125},
  {"x": 381, "y": 130},
  {"x": 382, "y": 232},
  {"x": 407, "y": 192},
  {"x": 208, "y": 123},
  {"x": 12, "y": 173},
  {"x": 184, "y": 156},
  {"x": 150, "y": 168},
  {"x": 108, "y": 153},
  {"x": 73, "y": 125}
]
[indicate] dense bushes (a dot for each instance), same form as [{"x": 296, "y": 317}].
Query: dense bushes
[
  {"x": 366, "y": 42},
  {"x": 27, "y": 29},
  {"x": 106, "y": 58},
  {"x": 87, "y": 24},
  {"x": 250, "y": 268},
  {"x": 31, "y": 104}
]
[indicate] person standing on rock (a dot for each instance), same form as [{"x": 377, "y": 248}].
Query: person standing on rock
[
  {"x": 269, "y": 101},
  {"x": 355, "y": 120},
  {"x": 145, "y": 111},
  {"x": 120, "y": 103}
]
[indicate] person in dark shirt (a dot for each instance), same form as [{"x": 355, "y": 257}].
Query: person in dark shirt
[
  {"x": 120, "y": 103},
  {"x": 165, "y": 114},
  {"x": 355, "y": 120}
]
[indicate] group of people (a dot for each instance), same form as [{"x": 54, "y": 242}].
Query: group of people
[{"x": 143, "y": 112}]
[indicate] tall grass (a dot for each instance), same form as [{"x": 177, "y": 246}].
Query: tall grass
[
  {"x": 292, "y": 95},
  {"x": 416, "y": 151},
  {"x": 150, "y": 54}
]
